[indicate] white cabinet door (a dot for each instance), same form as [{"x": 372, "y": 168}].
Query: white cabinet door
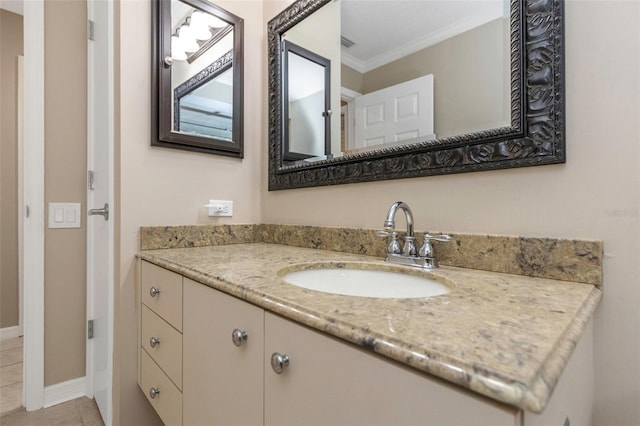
[
  {"x": 222, "y": 382},
  {"x": 328, "y": 382}
]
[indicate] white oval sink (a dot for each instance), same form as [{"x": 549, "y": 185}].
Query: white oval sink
[{"x": 365, "y": 283}]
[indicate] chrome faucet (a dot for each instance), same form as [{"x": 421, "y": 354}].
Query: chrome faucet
[
  {"x": 425, "y": 258},
  {"x": 409, "y": 248}
]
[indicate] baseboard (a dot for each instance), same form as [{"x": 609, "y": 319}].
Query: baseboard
[
  {"x": 9, "y": 332},
  {"x": 65, "y": 391}
]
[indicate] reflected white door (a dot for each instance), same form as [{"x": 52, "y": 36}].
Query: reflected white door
[
  {"x": 396, "y": 113},
  {"x": 100, "y": 229}
]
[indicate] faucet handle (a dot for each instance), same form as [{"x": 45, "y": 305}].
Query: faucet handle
[
  {"x": 445, "y": 238},
  {"x": 394, "y": 245},
  {"x": 427, "y": 249}
]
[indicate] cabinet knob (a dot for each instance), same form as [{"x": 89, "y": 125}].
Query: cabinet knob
[
  {"x": 153, "y": 392},
  {"x": 154, "y": 342},
  {"x": 154, "y": 291},
  {"x": 238, "y": 337},
  {"x": 279, "y": 362}
]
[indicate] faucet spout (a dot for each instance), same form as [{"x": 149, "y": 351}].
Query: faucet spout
[
  {"x": 425, "y": 259},
  {"x": 390, "y": 223}
]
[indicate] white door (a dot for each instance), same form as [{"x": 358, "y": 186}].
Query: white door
[
  {"x": 396, "y": 113},
  {"x": 100, "y": 229}
]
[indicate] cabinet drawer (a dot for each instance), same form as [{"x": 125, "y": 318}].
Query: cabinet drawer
[
  {"x": 168, "y": 402},
  {"x": 168, "y": 352},
  {"x": 168, "y": 301}
]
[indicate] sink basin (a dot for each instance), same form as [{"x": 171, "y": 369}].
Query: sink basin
[{"x": 365, "y": 282}]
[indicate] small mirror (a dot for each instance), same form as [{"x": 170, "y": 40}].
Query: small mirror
[
  {"x": 307, "y": 94},
  {"x": 197, "y": 67}
]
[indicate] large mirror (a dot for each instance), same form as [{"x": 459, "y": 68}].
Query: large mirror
[
  {"x": 416, "y": 88},
  {"x": 197, "y": 68}
]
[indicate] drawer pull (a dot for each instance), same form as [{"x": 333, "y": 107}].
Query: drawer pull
[
  {"x": 238, "y": 337},
  {"x": 154, "y": 342},
  {"x": 153, "y": 392},
  {"x": 154, "y": 291},
  {"x": 279, "y": 362}
]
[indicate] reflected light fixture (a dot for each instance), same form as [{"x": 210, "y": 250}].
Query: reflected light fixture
[
  {"x": 177, "y": 51},
  {"x": 199, "y": 24},
  {"x": 194, "y": 34},
  {"x": 215, "y": 22},
  {"x": 187, "y": 38}
]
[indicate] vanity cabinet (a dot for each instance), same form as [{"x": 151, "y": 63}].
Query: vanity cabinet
[
  {"x": 223, "y": 351},
  {"x": 242, "y": 365},
  {"x": 333, "y": 383},
  {"x": 160, "y": 330}
]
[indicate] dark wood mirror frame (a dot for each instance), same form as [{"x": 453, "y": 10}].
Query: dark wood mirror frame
[
  {"x": 535, "y": 137},
  {"x": 287, "y": 153},
  {"x": 162, "y": 95}
]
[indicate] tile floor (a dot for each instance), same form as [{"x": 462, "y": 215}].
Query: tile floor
[
  {"x": 10, "y": 375},
  {"x": 78, "y": 412}
]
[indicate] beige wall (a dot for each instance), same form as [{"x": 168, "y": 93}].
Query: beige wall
[
  {"x": 11, "y": 46},
  {"x": 594, "y": 195},
  {"x": 162, "y": 186},
  {"x": 461, "y": 104},
  {"x": 65, "y": 171},
  {"x": 352, "y": 79}
]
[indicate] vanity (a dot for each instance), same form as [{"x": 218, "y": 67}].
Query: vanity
[{"x": 225, "y": 340}]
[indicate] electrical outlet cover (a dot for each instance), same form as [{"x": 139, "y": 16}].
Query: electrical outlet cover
[{"x": 220, "y": 208}]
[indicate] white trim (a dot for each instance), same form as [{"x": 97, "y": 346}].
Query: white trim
[
  {"x": 349, "y": 111},
  {"x": 20, "y": 116},
  {"x": 65, "y": 391},
  {"x": 33, "y": 354},
  {"x": 89, "y": 365},
  {"x": 9, "y": 332},
  {"x": 348, "y": 95}
]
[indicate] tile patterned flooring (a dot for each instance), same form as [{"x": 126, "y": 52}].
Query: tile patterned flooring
[
  {"x": 78, "y": 412},
  {"x": 10, "y": 375}
]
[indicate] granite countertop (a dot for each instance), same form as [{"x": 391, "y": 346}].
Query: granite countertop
[{"x": 504, "y": 336}]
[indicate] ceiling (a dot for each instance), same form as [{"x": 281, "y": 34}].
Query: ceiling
[{"x": 386, "y": 30}]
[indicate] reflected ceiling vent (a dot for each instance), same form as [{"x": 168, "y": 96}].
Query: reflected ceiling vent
[{"x": 346, "y": 42}]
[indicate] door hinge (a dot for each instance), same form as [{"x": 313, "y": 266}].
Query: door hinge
[
  {"x": 91, "y": 30},
  {"x": 89, "y": 329}
]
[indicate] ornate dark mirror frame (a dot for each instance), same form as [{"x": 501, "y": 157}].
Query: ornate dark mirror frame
[
  {"x": 535, "y": 137},
  {"x": 162, "y": 96}
]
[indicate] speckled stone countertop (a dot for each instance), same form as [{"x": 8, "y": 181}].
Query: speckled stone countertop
[{"x": 504, "y": 336}]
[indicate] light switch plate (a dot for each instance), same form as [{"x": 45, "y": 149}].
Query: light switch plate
[{"x": 65, "y": 215}]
